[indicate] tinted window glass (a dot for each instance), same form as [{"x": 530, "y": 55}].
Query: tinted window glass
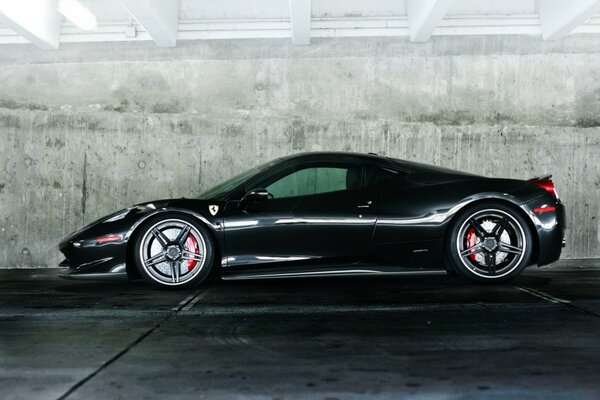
[
  {"x": 310, "y": 181},
  {"x": 221, "y": 190},
  {"x": 380, "y": 174}
]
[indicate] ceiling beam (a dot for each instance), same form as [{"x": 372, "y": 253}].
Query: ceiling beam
[
  {"x": 424, "y": 16},
  {"x": 300, "y": 11},
  {"x": 36, "y": 20},
  {"x": 158, "y": 17},
  {"x": 558, "y": 18}
]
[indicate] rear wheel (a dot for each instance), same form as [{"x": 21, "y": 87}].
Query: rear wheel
[
  {"x": 490, "y": 243},
  {"x": 173, "y": 251}
]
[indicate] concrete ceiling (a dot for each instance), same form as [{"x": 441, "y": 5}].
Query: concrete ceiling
[{"x": 167, "y": 21}]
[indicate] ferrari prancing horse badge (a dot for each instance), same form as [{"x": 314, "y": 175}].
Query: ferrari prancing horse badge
[{"x": 213, "y": 209}]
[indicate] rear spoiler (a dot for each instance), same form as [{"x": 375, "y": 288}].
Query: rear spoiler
[{"x": 541, "y": 178}]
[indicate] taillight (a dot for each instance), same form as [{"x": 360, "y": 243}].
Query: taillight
[{"x": 547, "y": 185}]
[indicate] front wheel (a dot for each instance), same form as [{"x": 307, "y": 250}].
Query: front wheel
[
  {"x": 489, "y": 243},
  {"x": 173, "y": 251}
]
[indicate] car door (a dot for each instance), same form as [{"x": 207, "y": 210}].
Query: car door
[
  {"x": 406, "y": 234},
  {"x": 317, "y": 213}
]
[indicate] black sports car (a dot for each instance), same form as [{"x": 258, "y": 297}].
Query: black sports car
[{"x": 329, "y": 214}]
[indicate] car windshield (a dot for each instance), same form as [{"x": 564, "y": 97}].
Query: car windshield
[{"x": 223, "y": 189}]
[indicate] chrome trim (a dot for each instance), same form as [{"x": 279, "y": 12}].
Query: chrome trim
[
  {"x": 440, "y": 217},
  {"x": 93, "y": 263},
  {"x": 121, "y": 268},
  {"x": 313, "y": 274}
]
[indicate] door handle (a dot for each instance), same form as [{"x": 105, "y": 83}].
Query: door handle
[{"x": 367, "y": 205}]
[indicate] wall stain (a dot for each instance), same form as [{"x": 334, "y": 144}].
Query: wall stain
[
  {"x": 84, "y": 190},
  {"x": 83, "y": 121},
  {"x": 10, "y": 121},
  {"x": 295, "y": 133},
  {"x": 59, "y": 144},
  {"x": 172, "y": 107},
  {"x": 123, "y": 106},
  {"x": 183, "y": 127},
  {"x": 14, "y": 105},
  {"x": 592, "y": 121},
  {"x": 232, "y": 130}
]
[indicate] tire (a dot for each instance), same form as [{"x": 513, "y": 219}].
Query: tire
[
  {"x": 489, "y": 243},
  {"x": 173, "y": 251}
]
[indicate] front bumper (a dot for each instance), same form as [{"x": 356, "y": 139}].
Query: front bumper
[
  {"x": 85, "y": 259},
  {"x": 106, "y": 276}
]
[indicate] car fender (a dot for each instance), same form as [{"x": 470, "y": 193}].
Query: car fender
[{"x": 213, "y": 225}]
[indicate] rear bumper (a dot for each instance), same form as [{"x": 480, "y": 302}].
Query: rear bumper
[{"x": 551, "y": 228}]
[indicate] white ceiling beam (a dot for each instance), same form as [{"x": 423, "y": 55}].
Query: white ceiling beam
[
  {"x": 558, "y": 18},
  {"x": 158, "y": 17},
  {"x": 424, "y": 16},
  {"x": 36, "y": 20},
  {"x": 300, "y": 12}
]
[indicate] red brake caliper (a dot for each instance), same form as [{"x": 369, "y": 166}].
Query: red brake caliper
[
  {"x": 191, "y": 244},
  {"x": 471, "y": 241}
]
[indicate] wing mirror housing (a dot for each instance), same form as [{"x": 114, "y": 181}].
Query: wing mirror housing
[{"x": 256, "y": 195}]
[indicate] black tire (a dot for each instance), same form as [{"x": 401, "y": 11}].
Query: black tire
[
  {"x": 166, "y": 234},
  {"x": 481, "y": 233}
]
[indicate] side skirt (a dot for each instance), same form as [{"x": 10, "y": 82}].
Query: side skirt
[
  {"x": 381, "y": 271},
  {"x": 102, "y": 276}
]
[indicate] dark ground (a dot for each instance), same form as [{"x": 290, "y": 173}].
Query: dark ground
[{"x": 428, "y": 337}]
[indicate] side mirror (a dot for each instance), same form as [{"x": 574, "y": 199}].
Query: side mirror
[{"x": 254, "y": 195}]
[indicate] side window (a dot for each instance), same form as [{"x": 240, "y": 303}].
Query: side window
[
  {"x": 315, "y": 180},
  {"x": 380, "y": 174}
]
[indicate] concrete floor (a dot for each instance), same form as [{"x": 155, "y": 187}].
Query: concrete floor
[{"x": 431, "y": 337}]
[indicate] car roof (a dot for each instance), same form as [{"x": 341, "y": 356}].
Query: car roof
[
  {"x": 409, "y": 166},
  {"x": 342, "y": 155}
]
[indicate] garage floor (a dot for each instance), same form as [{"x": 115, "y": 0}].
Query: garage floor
[{"x": 433, "y": 337}]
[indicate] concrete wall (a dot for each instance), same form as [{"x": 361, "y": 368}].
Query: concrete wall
[{"x": 91, "y": 128}]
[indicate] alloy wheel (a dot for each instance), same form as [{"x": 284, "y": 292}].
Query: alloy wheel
[
  {"x": 491, "y": 243},
  {"x": 172, "y": 252}
]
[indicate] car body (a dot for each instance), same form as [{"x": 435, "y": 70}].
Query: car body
[{"x": 389, "y": 217}]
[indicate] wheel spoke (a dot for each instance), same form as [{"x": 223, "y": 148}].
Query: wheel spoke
[
  {"x": 508, "y": 248},
  {"x": 477, "y": 248},
  {"x": 191, "y": 256},
  {"x": 479, "y": 231},
  {"x": 500, "y": 228},
  {"x": 162, "y": 239},
  {"x": 490, "y": 262},
  {"x": 156, "y": 259},
  {"x": 183, "y": 234},
  {"x": 175, "y": 271}
]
